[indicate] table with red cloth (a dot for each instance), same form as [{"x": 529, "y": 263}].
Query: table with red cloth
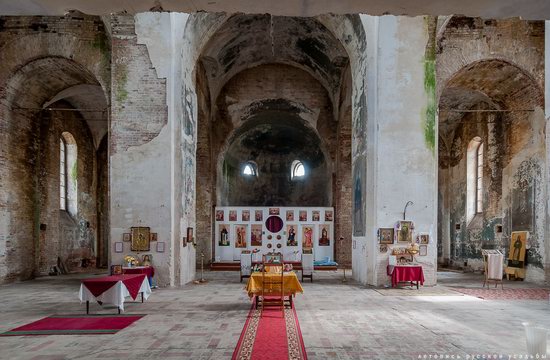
[
  {"x": 114, "y": 289},
  {"x": 147, "y": 270},
  {"x": 406, "y": 273}
]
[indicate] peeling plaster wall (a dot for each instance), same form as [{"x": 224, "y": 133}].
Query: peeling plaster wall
[
  {"x": 41, "y": 56},
  {"x": 140, "y": 153},
  {"x": 400, "y": 143},
  {"x": 515, "y": 149}
]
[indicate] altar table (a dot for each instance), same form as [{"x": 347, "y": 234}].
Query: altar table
[
  {"x": 406, "y": 273},
  {"x": 114, "y": 289},
  {"x": 291, "y": 284}
]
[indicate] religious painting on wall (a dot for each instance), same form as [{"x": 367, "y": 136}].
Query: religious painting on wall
[
  {"x": 307, "y": 237},
  {"x": 405, "y": 231},
  {"x": 386, "y": 235},
  {"x": 423, "y": 250},
  {"x": 224, "y": 235},
  {"x": 303, "y": 215},
  {"x": 240, "y": 236},
  {"x": 423, "y": 239},
  {"x": 328, "y": 215},
  {"x": 291, "y": 235},
  {"x": 127, "y": 237},
  {"x": 245, "y": 215},
  {"x": 383, "y": 248},
  {"x": 219, "y": 215},
  {"x": 290, "y": 215},
  {"x": 189, "y": 235},
  {"x": 258, "y": 215},
  {"x": 516, "y": 255},
  {"x": 232, "y": 215},
  {"x": 256, "y": 235},
  {"x": 141, "y": 237},
  {"x": 324, "y": 238},
  {"x": 315, "y": 215},
  {"x": 273, "y": 211},
  {"x": 359, "y": 199}
]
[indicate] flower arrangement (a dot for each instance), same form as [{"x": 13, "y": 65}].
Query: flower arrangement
[{"x": 131, "y": 260}]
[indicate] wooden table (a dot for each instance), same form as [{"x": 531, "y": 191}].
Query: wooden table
[{"x": 291, "y": 284}]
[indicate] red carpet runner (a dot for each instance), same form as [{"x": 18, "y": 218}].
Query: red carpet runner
[
  {"x": 75, "y": 325},
  {"x": 270, "y": 336}
]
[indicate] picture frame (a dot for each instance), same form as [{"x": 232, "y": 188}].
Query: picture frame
[
  {"x": 154, "y": 236},
  {"x": 116, "y": 269},
  {"x": 245, "y": 215},
  {"x": 328, "y": 215},
  {"x": 219, "y": 215},
  {"x": 423, "y": 239},
  {"x": 290, "y": 215},
  {"x": 405, "y": 231},
  {"x": 259, "y": 215},
  {"x": 383, "y": 248},
  {"x": 160, "y": 246},
  {"x": 423, "y": 250},
  {"x": 184, "y": 241},
  {"x": 386, "y": 235},
  {"x": 126, "y": 237},
  {"x": 141, "y": 238},
  {"x": 273, "y": 211},
  {"x": 119, "y": 247},
  {"x": 189, "y": 234},
  {"x": 232, "y": 215},
  {"x": 303, "y": 215},
  {"x": 315, "y": 215}
]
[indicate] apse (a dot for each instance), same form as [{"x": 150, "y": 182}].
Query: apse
[{"x": 261, "y": 166}]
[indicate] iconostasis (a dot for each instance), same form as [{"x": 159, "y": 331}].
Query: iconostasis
[{"x": 290, "y": 230}]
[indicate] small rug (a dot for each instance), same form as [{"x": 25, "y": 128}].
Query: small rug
[
  {"x": 506, "y": 294},
  {"x": 75, "y": 325},
  {"x": 270, "y": 335},
  {"x": 430, "y": 291}
]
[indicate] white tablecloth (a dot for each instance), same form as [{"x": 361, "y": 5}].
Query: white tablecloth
[{"x": 114, "y": 295}]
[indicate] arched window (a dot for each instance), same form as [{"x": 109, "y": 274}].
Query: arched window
[
  {"x": 250, "y": 169},
  {"x": 297, "y": 170},
  {"x": 68, "y": 173},
  {"x": 62, "y": 174},
  {"x": 474, "y": 186}
]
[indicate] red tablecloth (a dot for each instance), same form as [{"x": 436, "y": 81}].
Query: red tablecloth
[
  {"x": 98, "y": 286},
  {"x": 147, "y": 270},
  {"x": 405, "y": 273}
]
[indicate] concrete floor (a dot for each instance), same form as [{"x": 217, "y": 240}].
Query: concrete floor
[{"x": 338, "y": 321}]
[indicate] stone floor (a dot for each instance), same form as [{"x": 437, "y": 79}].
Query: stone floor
[{"x": 338, "y": 321}]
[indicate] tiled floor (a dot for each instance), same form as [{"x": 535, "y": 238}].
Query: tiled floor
[{"x": 338, "y": 321}]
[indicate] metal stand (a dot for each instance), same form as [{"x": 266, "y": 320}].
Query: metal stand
[
  {"x": 202, "y": 279},
  {"x": 344, "y": 280}
]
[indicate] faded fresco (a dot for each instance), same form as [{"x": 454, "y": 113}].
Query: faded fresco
[{"x": 359, "y": 199}]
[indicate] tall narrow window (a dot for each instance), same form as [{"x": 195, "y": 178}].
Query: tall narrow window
[
  {"x": 68, "y": 173},
  {"x": 474, "y": 178},
  {"x": 297, "y": 170},
  {"x": 62, "y": 174},
  {"x": 479, "y": 177}
]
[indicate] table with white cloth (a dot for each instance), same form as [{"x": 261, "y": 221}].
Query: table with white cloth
[{"x": 114, "y": 289}]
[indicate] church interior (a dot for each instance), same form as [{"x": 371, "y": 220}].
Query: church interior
[{"x": 232, "y": 180}]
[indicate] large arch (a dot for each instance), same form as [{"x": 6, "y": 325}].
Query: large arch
[
  {"x": 500, "y": 104},
  {"x": 321, "y": 56},
  {"x": 36, "y": 109}
]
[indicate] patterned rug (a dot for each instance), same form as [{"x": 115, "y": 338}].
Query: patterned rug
[
  {"x": 506, "y": 294},
  {"x": 270, "y": 335},
  {"x": 75, "y": 325}
]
